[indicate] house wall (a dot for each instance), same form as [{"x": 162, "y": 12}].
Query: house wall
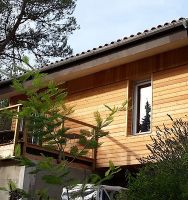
[
  {"x": 21, "y": 176},
  {"x": 89, "y": 101},
  {"x": 10, "y": 172},
  {"x": 170, "y": 95},
  {"x": 33, "y": 182},
  {"x": 168, "y": 72}
]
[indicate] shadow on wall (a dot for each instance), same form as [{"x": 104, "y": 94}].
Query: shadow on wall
[
  {"x": 33, "y": 182},
  {"x": 130, "y": 154}
]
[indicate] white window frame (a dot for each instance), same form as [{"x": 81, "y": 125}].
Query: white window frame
[{"x": 135, "y": 107}]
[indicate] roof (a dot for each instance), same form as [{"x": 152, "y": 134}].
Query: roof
[{"x": 120, "y": 43}]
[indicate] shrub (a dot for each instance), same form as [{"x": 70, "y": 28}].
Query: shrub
[{"x": 165, "y": 174}]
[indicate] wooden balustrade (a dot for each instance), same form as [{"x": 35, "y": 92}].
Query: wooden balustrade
[
  {"x": 9, "y": 130},
  {"x": 13, "y": 131}
]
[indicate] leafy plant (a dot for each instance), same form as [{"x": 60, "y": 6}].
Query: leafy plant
[
  {"x": 109, "y": 174},
  {"x": 165, "y": 175},
  {"x": 14, "y": 192},
  {"x": 46, "y": 115},
  {"x": 121, "y": 195}
]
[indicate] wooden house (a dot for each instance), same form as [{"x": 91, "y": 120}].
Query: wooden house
[{"x": 150, "y": 69}]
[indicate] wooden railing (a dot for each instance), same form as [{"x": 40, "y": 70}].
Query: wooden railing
[
  {"x": 9, "y": 126},
  {"x": 12, "y": 132},
  {"x": 9, "y": 130}
]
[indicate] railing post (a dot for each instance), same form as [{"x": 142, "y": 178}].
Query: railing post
[
  {"x": 16, "y": 129},
  {"x": 25, "y": 137},
  {"x": 95, "y": 153}
]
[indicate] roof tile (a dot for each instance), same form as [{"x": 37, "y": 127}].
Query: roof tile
[{"x": 113, "y": 43}]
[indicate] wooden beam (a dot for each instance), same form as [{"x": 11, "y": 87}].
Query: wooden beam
[
  {"x": 37, "y": 147},
  {"x": 73, "y": 165}
]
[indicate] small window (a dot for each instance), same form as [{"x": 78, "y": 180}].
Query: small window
[{"x": 142, "y": 107}]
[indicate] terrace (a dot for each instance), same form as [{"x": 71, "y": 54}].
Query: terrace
[{"x": 13, "y": 132}]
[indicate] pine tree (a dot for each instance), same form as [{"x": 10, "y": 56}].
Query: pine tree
[
  {"x": 145, "y": 125},
  {"x": 38, "y": 28}
]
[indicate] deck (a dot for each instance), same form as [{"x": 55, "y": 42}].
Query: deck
[{"x": 12, "y": 133}]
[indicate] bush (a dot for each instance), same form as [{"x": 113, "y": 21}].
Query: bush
[
  {"x": 122, "y": 195},
  {"x": 165, "y": 175}
]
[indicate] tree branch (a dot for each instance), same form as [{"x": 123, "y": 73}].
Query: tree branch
[{"x": 12, "y": 33}]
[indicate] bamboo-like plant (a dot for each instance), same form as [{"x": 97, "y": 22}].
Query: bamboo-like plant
[{"x": 45, "y": 113}]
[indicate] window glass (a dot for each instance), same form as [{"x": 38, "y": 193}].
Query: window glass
[{"x": 142, "y": 107}]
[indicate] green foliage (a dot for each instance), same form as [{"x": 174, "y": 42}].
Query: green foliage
[
  {"x": 25, "y": 60},
  {"x": 54, "y": 174},
  {"x": 161, "y": 182},
  {"x": 165, "y": 175},
  {"x": 44, "y": 110},
  {"x": 170, "y": 143},
  {"x": 51, "y": 179},
  {"x": 42, "y": 195},
  {"x": 17, "y": 151},
  {"x": 25, "y": 162},
  {"x": 109, "y": 174},
  {"x": 14, "y": 192},
  {"x": 74, "y": 151},
  {"x": 122, "y": 195},
  {"x": 45, "y": 114}
]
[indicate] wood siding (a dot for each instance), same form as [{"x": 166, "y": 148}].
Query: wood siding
[
  {"x": 169, "y": 74},
  {"x": 119, "y": 146},
  {"x": 170, "y": 95},
  {"x": 90, "y": 101}
]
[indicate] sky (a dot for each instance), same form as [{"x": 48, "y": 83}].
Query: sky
[{"x": 104, "y": 21}]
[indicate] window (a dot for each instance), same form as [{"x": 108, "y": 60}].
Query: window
[{"x": 142, "y": 106}]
